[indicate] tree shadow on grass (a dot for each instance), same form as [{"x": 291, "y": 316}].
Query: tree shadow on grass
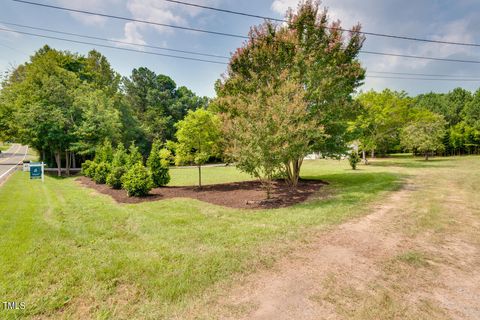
[
  {"x": 349, "y": 188},
  {"x": 412, "y": 163}
]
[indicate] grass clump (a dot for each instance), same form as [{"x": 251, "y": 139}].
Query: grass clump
[{"x": 414, "y": 258}]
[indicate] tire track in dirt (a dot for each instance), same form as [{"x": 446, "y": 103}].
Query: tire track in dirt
[
  {"x": 367, "y": 268},
  {"x": 349, "y": 252}
]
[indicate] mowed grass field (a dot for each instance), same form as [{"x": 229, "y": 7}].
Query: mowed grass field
[{"x": 69, "y": 252}]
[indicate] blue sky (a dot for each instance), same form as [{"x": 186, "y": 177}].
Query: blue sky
[{"x": 434, "y": 19}]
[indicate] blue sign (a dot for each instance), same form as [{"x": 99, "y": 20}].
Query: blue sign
[{"x": 36, "y": 171}]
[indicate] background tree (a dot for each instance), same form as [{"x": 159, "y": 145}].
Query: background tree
[
  {"x": 157, "y": 104},
  {"x": 44, "y": 115},
  {"x": 382, "y": 116},
  {"x": 424, "y": 134},
  {"x": 198, "y": 137},
  {"x": 56, "y": 101},
  {"x": 100, "y": 120}
]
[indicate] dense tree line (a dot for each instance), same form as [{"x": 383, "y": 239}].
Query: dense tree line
[
  {"x": 65, "y": 105},
  {"x": 432, "y": 123},
  {"x": 290, "y": 90}
]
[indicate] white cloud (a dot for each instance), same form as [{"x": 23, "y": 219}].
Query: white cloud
[
  {"x": 281, "y": 6},
  {"x": 132, "y": 34},
  {"x": 160, "y": 12},
  {"x": 89, "y": 5},
  {"x": 155, "y": 11}
]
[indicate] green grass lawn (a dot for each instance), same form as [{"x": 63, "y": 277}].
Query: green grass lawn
[
  {"x": 69, "y": 252},
  {"x": 210, "y": 175}
]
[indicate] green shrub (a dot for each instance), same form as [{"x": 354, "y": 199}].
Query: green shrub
[
  {"x": 92, "y": 169},
  {"x": 101, "y": 172},
  {"x": 137, "y": 181},
  {"x": 120, "y": 156},
  {"x": 87, "y": 168},
  {"x": 104, "y": 153},
  {"x": 134, "y": 156},
  {"x": 159, "y": 162},
  {"x": 354, "y": 159},
  {"x": 114, "y": 178}
]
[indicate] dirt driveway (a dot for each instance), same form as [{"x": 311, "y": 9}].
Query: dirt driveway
[{"x": 416, "y": 256}]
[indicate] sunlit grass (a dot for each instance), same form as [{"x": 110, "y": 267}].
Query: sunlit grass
[{"x": 70, "y": 252}]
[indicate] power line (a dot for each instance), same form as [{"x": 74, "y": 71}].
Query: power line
[
  {"x": 225, "y": 10},
  {"x": 422, "y": 74},
  {"x": 418, "y": 57},
  {"x": 115, "y": 41},
  {"x": 199, "y": 53},
  {"x": 376, "y": 34},
  {"x": 423, "y": 79},
  {"x": 113, "y": 47},
  {"x": 209, "y": 61},
  {"x": 238, "y": 36},
  {"x": 132, "y": 19},
  {"x": 236, "y": 13}
]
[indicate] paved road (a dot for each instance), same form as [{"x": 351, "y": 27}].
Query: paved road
[{"x": 10, "y": 158}]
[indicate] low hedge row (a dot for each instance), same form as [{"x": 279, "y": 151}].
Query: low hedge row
[{"x": 126, "y": 171}]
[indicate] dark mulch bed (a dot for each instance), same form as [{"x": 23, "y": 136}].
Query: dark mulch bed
[{"x": 246, "y": 194}]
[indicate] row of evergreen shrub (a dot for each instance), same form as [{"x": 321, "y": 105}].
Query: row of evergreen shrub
[{"x": 122, "y": 169}]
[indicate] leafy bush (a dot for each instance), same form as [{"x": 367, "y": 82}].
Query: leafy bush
[
  {"x": 88, "y": 168},
  {"x": 114, "y": 178},
  {"x": 134, "y": 156},
  {"x": 101, "y": 172},
  {"x": 159, "y": 162},
  {"x": 137, "y": 181},
  {"x": 120, "y": 156},
  {"x": 354, "y": 159},
  {"x": 104, "y": 153}
]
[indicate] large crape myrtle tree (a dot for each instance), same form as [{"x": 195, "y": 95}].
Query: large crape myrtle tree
[{"x": 307, "y": 53}]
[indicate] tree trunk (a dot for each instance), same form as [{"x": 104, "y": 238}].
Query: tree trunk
[
  {"x": 67, "y": 162},
  {"x": 364, "y": 157},
  {"x": 200, "y": 176},
  {"x": 373, "y": 153},
  {"x": 426, "y": 155},
  {"x": 58, "y": 160},
  {"x": 293, "y": 171},
  {"x": 269, "y": 189},
  {"x": 74, "y": 160}
]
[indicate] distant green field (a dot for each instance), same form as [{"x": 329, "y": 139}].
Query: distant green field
[{"x": 69, "y": 252}]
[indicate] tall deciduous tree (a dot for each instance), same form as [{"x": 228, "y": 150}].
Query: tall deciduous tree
[
  {"x": 382, "y": 116},
  {"x": 313, "y": 53},
  {"x": 61, "y": 104},
  {"x": 425, "y": 133}
]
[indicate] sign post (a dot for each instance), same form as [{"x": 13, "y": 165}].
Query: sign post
[{"x": 37, "y": 171}]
